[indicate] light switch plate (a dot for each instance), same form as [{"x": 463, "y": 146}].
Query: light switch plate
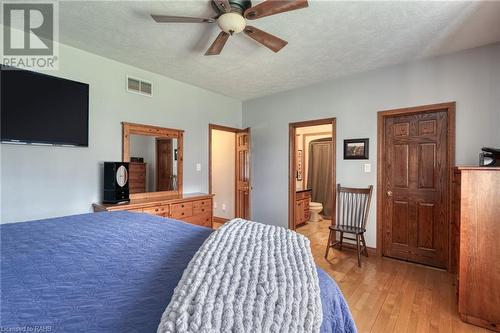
[
  {"x": 198, "y": 166},
  {"x": 368, "y": 168}
]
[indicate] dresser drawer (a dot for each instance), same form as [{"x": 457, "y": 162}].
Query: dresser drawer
[
  {"x": 138, "y": 175},
  {"x": 202, "y": 207},
  {"x": 160, "y": 210},
  {"x": 137, "y": 210},
  {"x": 204, "y": 220},
  {"x": 137, "y": 166},
  {"x": 137, "y": 185},
  {"x": 136, "y": 182},
  {"x": 181, "y": 210}
]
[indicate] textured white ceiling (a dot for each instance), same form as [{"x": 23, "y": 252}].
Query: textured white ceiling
[{"x": 327, "y": 40}]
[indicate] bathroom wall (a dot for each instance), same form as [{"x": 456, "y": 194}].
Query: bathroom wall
[{"x": 304, "y": 135}]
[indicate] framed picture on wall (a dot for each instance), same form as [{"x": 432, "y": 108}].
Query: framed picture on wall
[
  {"x": 299, "y": 165},
  {"x": 356, "y": 149}
]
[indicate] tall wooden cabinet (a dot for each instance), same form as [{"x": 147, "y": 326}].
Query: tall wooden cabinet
[
  {"x": 477, "y": 244},
  {"x": 137, "y": 177}
]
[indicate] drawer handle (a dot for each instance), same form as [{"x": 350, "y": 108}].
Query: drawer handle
[
  {"x": 182, "y": 214},
  {"x": 182, "y": 206}
]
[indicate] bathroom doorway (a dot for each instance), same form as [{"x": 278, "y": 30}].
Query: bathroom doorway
[{"x": 312, "y": 151}]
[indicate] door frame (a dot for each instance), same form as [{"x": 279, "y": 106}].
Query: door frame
[
  {"x": 292, "y": 129},
  {"x": 235, "y": 131},
  {"x": 449, "y": 108}
]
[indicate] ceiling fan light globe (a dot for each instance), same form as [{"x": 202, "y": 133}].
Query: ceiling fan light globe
[{"x": 231, "y": 23}]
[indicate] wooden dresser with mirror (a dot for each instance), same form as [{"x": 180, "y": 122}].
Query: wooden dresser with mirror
[{"x": 155, "y": 155}]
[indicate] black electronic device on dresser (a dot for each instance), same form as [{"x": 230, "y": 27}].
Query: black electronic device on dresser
[
  {"x": 115, "y": 182},
  {"x": 489, "y": 157}
]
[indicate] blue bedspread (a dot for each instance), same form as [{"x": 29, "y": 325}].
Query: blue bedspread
[{"x": 107, "y": 272}]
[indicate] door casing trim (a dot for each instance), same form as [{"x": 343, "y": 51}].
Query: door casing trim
[
  {"x": 224, "y": 129},
  {"x": 449, "y": 108},
  {"x": 234, "y": 130},
  {"x": 292, "y": 127}
]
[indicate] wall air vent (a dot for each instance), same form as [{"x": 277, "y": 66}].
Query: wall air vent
[{"x": 139, "y": 86}]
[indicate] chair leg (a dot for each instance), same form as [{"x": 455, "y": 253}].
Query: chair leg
[
  {"x": 341, "y": 240},
  {"x": 329, "y": 244},
  {"x": 359, "y": 250},
  {"x": 364, "y": 245}
]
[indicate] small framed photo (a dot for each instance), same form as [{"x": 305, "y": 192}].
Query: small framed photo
[
  {"x": 356, "y": 149},
  {"x": 299, "y": 165}
]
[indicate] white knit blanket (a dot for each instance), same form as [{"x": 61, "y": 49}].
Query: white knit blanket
[{"x": 247, "y": 277}]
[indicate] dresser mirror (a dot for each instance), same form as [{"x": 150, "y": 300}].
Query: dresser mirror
[{"x": 155, "y": 160}]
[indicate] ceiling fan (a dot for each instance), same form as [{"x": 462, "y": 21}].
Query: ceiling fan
[{"x": 231, "y": 18}]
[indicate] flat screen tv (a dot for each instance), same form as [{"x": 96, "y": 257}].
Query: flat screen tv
[{"x": 43, "y": 109}]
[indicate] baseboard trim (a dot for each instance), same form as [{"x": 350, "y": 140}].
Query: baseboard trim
[{"x": 220, "y": 219}]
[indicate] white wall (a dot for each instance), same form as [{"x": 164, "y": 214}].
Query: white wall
[
  {"x": 223, "y": 173},
  {"x": 471, "y": 78},
  {"x": 39, "y": 182}
]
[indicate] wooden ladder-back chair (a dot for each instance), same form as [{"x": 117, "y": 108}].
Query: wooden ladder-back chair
[{"x": 353, "y": 205}]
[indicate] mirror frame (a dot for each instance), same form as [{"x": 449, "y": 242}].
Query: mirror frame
[{"x": 159, "y": 132}]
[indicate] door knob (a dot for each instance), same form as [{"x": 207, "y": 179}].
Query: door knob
[{"x": 389, "y": 193}]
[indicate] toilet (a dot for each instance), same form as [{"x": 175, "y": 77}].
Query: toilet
[{"x": 315, "y": 208}]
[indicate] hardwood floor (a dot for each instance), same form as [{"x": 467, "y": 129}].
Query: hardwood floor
[
  {"x": 387, "y": 295},
  {"x": 216, "y": 225}
]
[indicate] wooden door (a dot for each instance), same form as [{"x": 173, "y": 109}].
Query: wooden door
[
  {"x": 243, "y": 174},
  {"x": 164, "y": 165},
  {"x": 415, "y": 185}
]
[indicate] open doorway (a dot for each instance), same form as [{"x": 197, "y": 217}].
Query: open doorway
[
  {"x": 229, "y": 172},
  {"x": 312, "y": 151}
]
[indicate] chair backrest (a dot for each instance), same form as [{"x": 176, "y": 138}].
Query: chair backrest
[{"x": 353, "y": 205}]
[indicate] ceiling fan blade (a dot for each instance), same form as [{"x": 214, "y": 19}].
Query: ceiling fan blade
[
  {"x": 223, "y": 5},
  {"x": 218, "y": 44},
  {"x": 272, "y": 7},
  {"x": 272, "y": 42},
  {"x": 181, "y": 19}
]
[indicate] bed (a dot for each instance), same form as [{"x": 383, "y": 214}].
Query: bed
[{"x": 108, "y": 272}]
